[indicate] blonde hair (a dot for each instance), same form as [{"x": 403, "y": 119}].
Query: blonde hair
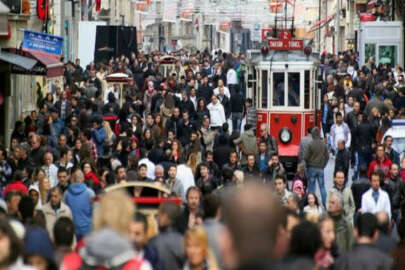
[
  {"x": 239, "y": 177},
  {"x": 192, "y": 162},
  {"x": 115, "y": 211},
  {"x": 108, "y": 129},
  {"x": 199, "y": 235}
]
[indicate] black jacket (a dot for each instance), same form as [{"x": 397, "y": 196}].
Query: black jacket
[
  {"x": 221, "y": 155},
  {"x": 366, "y": 132},
  {"x": 342, "y": 161},
  {"x": 184, "y": 131},
  {"x": 205, "y": 92},
  {"x": 227, "y": 106},
  {"x": 172, "y": 124},
  {"x": 237, "y": 103},
  {"x": 359, "y": 187}
]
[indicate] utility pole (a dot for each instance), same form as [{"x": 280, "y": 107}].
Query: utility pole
[
  {"x": 337, "y": 39},
  {"x": 319, "y": 29}
]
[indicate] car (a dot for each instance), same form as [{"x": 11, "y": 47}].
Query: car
[{"x": 397, "y": 132}]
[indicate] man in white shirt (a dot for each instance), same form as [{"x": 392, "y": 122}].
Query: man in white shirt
[
  {"x": 50, "y": 169},
  {"x": 226, "y": 89},
  {"x": 217, "y": 113},
  {"x": 375, "y": 199},
  {"x": 340, "y": 131}
]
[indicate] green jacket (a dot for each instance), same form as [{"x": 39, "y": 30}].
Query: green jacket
[
  {"x": 349, "y": 206},
  {"x": 247, "y": 144},
  {"x": 343, "y": 234}
]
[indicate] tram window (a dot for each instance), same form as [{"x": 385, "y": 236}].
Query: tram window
[
  {"x": 307, "y": 95},
  {"x": 265, "y": 80},
  {"x": 293, "y": 89},
  {"x": 278, "y": 89}
]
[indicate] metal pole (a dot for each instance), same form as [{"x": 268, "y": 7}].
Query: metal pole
[
  {"x": 337, "y": 40},
  {"x": 319, "y": 29}
]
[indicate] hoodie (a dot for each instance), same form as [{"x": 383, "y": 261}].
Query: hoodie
[{"x": 78, "y": 199}]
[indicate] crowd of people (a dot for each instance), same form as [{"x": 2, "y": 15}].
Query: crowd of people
[{"x": 193, "y": 133}]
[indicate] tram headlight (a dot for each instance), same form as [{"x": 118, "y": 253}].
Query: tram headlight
[{"x": 285, "y": 135}]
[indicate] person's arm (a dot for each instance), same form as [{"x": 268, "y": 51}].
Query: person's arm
[
  {"x": 387, "y": 205},
  {"x": 349, "y": 137},
  {"x": 352, "y": 206}
]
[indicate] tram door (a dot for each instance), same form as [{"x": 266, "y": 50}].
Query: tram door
[{"x": 251, "y": 90}]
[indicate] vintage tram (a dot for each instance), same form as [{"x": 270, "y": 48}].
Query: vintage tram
[{"x": 283, "y": 86}]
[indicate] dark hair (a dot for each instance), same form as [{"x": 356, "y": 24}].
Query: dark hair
[
  {"x": 375, "y": 174},
  {"x": 192, "y": 188},
  {"x": 366, "y": 225},
  {"x": 16, "y": 245},
  {"x": 339, "y": 114},
  {"x": 363, "y": 170},
  {"x": 26, "y": 208},
  {"x": 63, "y": 232},
  {"x": 300, "y": 246},
  {"x": 141, "y": 218},
  {"x": 172, "y": 210},
  {"x": 210, "y": 205},
  {"x": 316, "y": 198},
  {"x": 3, "y": 151},
  {"x": 280, "y": 176},
  {"x": 339, "y": 171},
  {"x": 62, "y": 170},
  {"x": 143, "y": 165},
  {"x": 11, "y": 194}
]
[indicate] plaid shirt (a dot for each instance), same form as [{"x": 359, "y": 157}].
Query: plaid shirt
[{"x": 6, "y": 173}]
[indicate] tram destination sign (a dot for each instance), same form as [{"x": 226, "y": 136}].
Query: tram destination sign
[{"x": 285, "y": 42}]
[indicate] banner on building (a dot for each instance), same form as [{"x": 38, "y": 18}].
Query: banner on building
[
  {"x": 38, "y": 41},
  {"x": 186, "y": 10},
  {"x": 169, "y": 11},
  {"x": 142, "y": 5}
]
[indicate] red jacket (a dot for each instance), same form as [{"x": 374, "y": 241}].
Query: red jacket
[
  {"x": 377, "y": 165},
  {"x": 16, "y": 186}
]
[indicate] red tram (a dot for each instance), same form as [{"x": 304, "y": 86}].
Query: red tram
[{"x": 282, "y": 85}]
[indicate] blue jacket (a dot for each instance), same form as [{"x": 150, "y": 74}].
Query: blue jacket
[
  {"x": 99, "y": 136},
  {"x": 78, "y": 199}
]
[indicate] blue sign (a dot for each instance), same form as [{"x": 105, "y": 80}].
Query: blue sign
[{"x": 38, "y": 41}]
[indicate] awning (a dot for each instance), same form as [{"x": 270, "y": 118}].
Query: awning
[
  {"x": 54, "y": 67},
  {"x": 322, "y": 22},
  {"x": 18, "y": 60},
  {"x": 46, "y": 65},
  {"x": 3, "y": 8}
]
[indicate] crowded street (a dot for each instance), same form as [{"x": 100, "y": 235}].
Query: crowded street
[{"x": 192, "y": 135}]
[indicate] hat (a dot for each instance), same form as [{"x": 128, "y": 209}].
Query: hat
[
  {"x": 298, "y": 184},
  {"x": 37, "y": 242}
]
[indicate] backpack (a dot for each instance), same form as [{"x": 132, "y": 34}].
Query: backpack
[{"x": 73, "y": 261}]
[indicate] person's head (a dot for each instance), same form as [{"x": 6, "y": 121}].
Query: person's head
[
  {"x": 365, "y": 228},
  {"x": 251, "y": 160},
  {"x": 383, "y": 222},
  {"x": 204, "y": 170},
  {"x": 55, "y": 195},
  {"x": 388, "y": 141},
  {"x": 394, "y": 171},
  {"x": 274, "y": 159},
  {"x": 280, "y": 184},
  {"x": 193, "y": 197},
  {"x": 196, "y": 247},
  {"x": 211, "y": 206},
  {"x": 142, "y": 171},
  {"x": 380, "y": 152},
  {"x": 233, "y": 157},
  {"x": 172, "y": 172},
  {"x": 214, "y": 99},
  {"x": 167, "y": 214},
  {"x": 339, "y": 118},
  {"x": 34, "y": 194},
  {"x": 11, "y": 247},
  {"x": 262, "y": 147},
  {"x": 300, "y": 246},
  {"x": 356, "y": 107},
  {"x": 375, "y": 179},
  {"x": 159, "y": 171},
  {"x": 312, "y": 199},
  {"x": 176, "y": 112},
  {"x": 113, "y": 215},
  {"x": 139, "y": 231},
  {"x": 339, "y": 179},
  {"x": 86, "y": 167},
  {"x": 62, "y": 140},
  {"x": 121, "y": 173},
  {"x": 62, "y": 176},
  {"x": 251, "y": 215},
  {"x": 48, "y": 159},
  {"x": 64, "y": 232},
  {"x": 327, "y": 228},
  {"x": 38, "y": 249},
  {"x": 335, "y": 204},
  {"x": 13, "y": 199}
]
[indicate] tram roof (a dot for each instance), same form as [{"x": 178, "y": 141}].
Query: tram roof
[{"x": 284, "y": 56}]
